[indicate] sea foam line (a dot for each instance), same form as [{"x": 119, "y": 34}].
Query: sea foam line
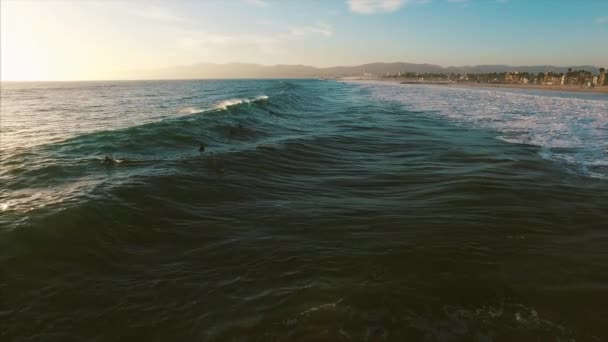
[{"x": 551, "y": 121}]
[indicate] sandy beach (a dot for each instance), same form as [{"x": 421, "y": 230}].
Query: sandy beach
[{"x": 530, "y": 86}]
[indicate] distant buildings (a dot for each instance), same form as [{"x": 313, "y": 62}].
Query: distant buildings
[
  {"x": 579, "y": 78},
  {"x": 370, "y": 76},
  {"x": 517, "y": 78},
  {"x": 551, "y": 79},
  {"x": 572, "y": 78}
]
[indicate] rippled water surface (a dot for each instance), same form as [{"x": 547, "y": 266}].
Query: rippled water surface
[{"x": 319, "y": 210}]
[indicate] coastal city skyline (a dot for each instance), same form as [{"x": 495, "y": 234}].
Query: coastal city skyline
[
  {"x": 571, "y": 78},
  {"x": 87, "y": 40}
]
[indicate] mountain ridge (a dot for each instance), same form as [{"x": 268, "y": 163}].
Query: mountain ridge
[{"x": 251, "y": 70}]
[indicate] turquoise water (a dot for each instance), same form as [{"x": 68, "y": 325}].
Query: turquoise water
[{"x": 319, "y": 210}]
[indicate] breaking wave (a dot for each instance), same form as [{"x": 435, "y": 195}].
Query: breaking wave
[
  {"x": 569, "y": 129},
  {"x": 233, "y": 102}
]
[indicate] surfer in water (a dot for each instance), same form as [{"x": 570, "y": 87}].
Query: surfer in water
[{"x": 109, "y": 160}]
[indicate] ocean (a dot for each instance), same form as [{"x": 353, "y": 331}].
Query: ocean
[{"x": 319, "y": 210}]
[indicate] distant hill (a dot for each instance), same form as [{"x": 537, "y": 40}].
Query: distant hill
[
  {"x": 380, "y": 68},
  {"x": 244, "y": 70}
]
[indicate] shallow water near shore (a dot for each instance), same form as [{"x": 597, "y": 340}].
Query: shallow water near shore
[{"x": 320, "y": 210}]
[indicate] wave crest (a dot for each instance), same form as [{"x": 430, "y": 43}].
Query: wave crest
[
  {"x": 190, "y": 110},
  {"x": 233, "y": 102}
]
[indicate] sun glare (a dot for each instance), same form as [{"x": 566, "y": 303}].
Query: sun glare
[
  {"x": 22, "y": 58},
  {"x": 19, "y": 60}
]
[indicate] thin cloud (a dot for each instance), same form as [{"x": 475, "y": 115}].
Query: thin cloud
[
  {"x": 158, "y": 13},
  {"x": 374, "y": 6},
  {"x": 146, "y": 11},
  {"x": 602, "y": 20},
  {"x": 194, "y": 40},
  {"x": 320, "y": 28},
  {"x": 259, "y": 3}
]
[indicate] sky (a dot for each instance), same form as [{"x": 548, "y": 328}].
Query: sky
[{"x": 102, "y": 39}]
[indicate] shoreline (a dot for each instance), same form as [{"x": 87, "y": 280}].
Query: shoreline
[{"x": 600, "y": 90}]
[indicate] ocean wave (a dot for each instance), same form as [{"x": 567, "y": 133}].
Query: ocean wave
[
  {"x": 190, "y": 110},
  {"x": 139, "y": 148},
  {"x": 298, "y": 221},
  {"x": 222, "y": 105},
  {"x": 233, "y": 102},
  {"x": 576, "y": 125}
]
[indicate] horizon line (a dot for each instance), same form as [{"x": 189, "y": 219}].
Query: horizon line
[{"x": 287, "y": 77}]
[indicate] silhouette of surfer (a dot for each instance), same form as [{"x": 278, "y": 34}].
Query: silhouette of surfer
[
  {"x": 214, "y": 163},
  {"x": 109, "y": 160}
]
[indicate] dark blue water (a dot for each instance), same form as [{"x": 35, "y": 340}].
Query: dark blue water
[{"x": 319, "y": 210}]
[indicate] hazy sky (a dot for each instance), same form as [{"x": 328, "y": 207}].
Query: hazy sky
[{"x": 88, "y": 39}]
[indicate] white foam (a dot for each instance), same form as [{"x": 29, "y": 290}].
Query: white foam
[
  {"x": 549, "y": 120},
  {"x": 233, "y": 102},
  {"x": 190, "y": 110},
  {"x": 223, "y": 104}
]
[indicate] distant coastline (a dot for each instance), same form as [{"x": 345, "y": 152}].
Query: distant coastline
[
  {"x": 532, "y": 86},
  {"x": 566, "y": 88}
]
